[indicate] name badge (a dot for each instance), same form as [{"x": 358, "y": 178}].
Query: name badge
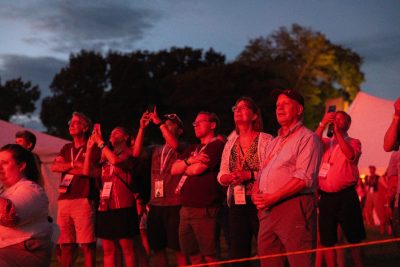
[
  {"x": 159, "y": 188},
  {"x": 239, "y": 194},
  {"x": 323, "y": 170},
  {"x": 106, "y": 192},
  {"x": 65, "y": 183},
  {"x": 371, "y": 189}
]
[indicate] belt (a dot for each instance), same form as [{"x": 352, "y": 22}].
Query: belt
[
  {"x": 345, "y": 190},
  {"x": 291, "y": 197}
]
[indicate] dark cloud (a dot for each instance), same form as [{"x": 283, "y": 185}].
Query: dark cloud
[
  {"x": 68, "y": 26},
  {"x": 38, "y": 70}
]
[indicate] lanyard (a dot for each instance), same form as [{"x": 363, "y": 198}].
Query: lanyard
[
  {"x": 112, "y": 166},
  {"x": 276, "y": 151},
  {"x": 333, "y": 151},
  {"x": 243, "y": 161},
  {"x": 164, "y": 159},
  {"x": 197, "y": 151},
  {"x": 77, "y": 155}
]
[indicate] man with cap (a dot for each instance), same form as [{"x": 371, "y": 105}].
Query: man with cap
[
  {"x": 163, "y": 216},
  {"x": 338, "y": 175},
  {"x": 284, "y": 192},
  {"x": 76, "y": 209}
]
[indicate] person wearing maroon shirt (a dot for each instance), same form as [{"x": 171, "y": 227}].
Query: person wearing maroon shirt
[
  {"x": 76, "y": 208},
  {"x": 199, "y": 190},
  {"x": 164, "y": 204}
]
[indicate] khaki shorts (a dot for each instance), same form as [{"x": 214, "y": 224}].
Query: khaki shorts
[{"x": 76, "y": 218}]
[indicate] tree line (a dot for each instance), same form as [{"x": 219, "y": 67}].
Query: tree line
[{"x": 115, "y": 88}]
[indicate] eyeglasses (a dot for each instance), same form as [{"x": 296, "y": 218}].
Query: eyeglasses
[
  {"x": 236, "y": 108},
  {"x": 195, "y": 123}
]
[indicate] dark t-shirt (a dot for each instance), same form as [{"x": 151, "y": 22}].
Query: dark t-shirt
[
  {"x": 162, "y": 159},
  {"x": 203, "y": 190},
  {"x": 81, "y": 186}
]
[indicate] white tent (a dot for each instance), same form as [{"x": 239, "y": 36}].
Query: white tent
[
  {"x": 47, "y": 147},
  {"x": 371, "y": 116}
]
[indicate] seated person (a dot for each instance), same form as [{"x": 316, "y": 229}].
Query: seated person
[{"x": 25, "y": 233}]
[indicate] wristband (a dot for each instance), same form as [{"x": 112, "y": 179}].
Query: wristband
[{"x": 102, "y": 145}]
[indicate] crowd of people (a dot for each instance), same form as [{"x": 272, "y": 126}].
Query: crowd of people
[{"x": 293, "y": 192}]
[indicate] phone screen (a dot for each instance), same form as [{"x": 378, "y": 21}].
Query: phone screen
[{"x": 332, "y": 108}]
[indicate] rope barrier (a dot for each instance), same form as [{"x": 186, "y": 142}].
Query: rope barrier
[{"x": 320, "y": 249}]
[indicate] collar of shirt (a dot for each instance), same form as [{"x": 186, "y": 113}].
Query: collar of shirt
[{"x": 291, "y": 130}]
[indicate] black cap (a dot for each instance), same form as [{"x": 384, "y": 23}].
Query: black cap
[{"x": 291, "y": 93}]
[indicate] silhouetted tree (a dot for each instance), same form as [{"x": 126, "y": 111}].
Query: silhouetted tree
[
  {"x": 217, "y": 88},
  {"x": 80, "y": 86},
  {"x": 17, "y": 97},
  {"x": 116, "y": 89},
  {"x": 310, "y": 63}
]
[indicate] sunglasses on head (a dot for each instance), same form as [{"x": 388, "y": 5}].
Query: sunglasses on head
[{"x": 173, "y": 117}]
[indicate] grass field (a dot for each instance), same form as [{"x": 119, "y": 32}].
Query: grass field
[{"x": 382, "y": 255}]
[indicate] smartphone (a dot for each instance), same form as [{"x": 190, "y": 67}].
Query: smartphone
[
  {"x": 332, "y": 108},
  {"x": 96, "y": 128},
  {"x": 329, "y": 133},
  {"x": 150, "y": 108}
]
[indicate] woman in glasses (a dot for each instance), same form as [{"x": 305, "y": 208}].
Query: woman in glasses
[
  {"x": 242, "y": 158},
  {"x": 117, "y": 221},
  {"x": 25, "y": 233}
]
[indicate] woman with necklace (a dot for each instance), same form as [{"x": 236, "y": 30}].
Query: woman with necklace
[{"x": 241, "y": 160}]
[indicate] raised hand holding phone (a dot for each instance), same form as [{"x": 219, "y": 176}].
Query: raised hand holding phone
[
  {"x": 331, "y": 125},
  {"x": 96, "y": 128}
]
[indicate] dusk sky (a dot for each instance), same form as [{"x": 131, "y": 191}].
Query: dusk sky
[{"x": 39, "y": 35}]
